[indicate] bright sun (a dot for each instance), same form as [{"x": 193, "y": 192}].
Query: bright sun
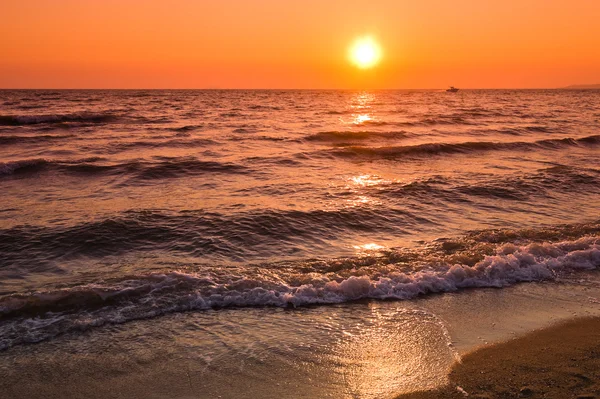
[{"x": 365, "y": 52}]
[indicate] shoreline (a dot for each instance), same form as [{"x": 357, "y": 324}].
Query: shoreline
[
  {"x": 378, "y": 349},
  {"x": 560, "y": 361}
]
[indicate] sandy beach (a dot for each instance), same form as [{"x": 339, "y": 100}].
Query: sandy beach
[{"x": 562, "y": 361}]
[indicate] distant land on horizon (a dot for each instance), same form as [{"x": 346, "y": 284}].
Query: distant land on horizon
[{"x": 597, "y": 86}]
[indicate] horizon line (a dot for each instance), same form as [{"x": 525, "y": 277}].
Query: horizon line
[{"x": 575, "y": 87}]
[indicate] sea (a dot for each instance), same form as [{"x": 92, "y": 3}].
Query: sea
[{"x": 286, "y": 243}]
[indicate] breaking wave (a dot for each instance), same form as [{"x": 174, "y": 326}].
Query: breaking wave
[{"x": 481, "y": 259}]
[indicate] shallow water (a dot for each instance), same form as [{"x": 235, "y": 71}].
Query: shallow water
[
  {"x": 127, "y": 205},
  {"x": 376, "y": 349}
]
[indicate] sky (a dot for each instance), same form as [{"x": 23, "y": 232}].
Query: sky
[{"x": 300, "y": 44}]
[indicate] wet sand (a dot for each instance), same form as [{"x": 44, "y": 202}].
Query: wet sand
[{"x": 562, "y": 361}]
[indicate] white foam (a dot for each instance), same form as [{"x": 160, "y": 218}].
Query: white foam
[{"x": 156, "y": 294}]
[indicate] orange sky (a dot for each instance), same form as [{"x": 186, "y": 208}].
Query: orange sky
[{"x": 297, "y": 43}]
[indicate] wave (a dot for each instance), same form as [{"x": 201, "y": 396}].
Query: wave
[
  {"x": 445, "y": 120},
  {"x": 180, "y": 167},
  {"x": 509, "y": 131},
  {"x": 22, "y": 166},
  {"x": 187, "y": 128},
  {"x": 120, "y": 146},
  {"x": 429, "y": 149},
  {"x": 334, "y": 112},
  {"x": 246, "y": 130},
  {"x": 424, "y": 122},
  {"x": 82, "y": 117},
  {"x": 479, "y": 112},
  {"x": 32, "y": 106},
  {"x": 232, "y": 114},
  {"x": 355, "y": 135},
  {"x": 265, "y": 107},
  {"x": 141, "y": 170},
  {"x": 547, "y": 182},
  {"x": 442, "y": 266},
  {"x": 195, "y": 233},
  {"x": 42, "y": 138}
]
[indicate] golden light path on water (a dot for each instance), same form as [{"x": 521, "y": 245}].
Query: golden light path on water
[
  {"x": 362, "y": 119},
  {"x": 377, "y": 361},
  {"x": 399, "y": 350},
  {"x": 366, "y": 181},
  {"x": 362, "y": 103}
]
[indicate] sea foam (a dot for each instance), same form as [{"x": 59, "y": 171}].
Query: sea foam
[{"x": 39, "y": 315}]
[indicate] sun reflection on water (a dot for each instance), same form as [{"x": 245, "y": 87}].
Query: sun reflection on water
[
  {"x": 370, "y": 248},
  {"x": 361, "y": 105},
  {"x": 363, "y": 100},
  {"x": 362, "y": 118},
  {"x": 367, "y": 180},
  {"x": 380, "y": 361}
]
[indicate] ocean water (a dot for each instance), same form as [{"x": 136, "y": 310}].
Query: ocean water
[{"x": 127, "y": 207}]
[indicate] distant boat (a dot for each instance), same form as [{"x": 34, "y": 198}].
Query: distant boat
[{"x": 452, "y": 89}]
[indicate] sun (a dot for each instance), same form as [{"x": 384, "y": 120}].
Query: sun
[{"x": 365, "y": 52}]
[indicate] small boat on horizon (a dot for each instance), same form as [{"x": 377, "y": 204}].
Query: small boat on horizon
[{"x": 452, "y": 89}]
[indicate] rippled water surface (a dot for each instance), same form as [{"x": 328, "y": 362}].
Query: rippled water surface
[{"x": 121, "y": 205}]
